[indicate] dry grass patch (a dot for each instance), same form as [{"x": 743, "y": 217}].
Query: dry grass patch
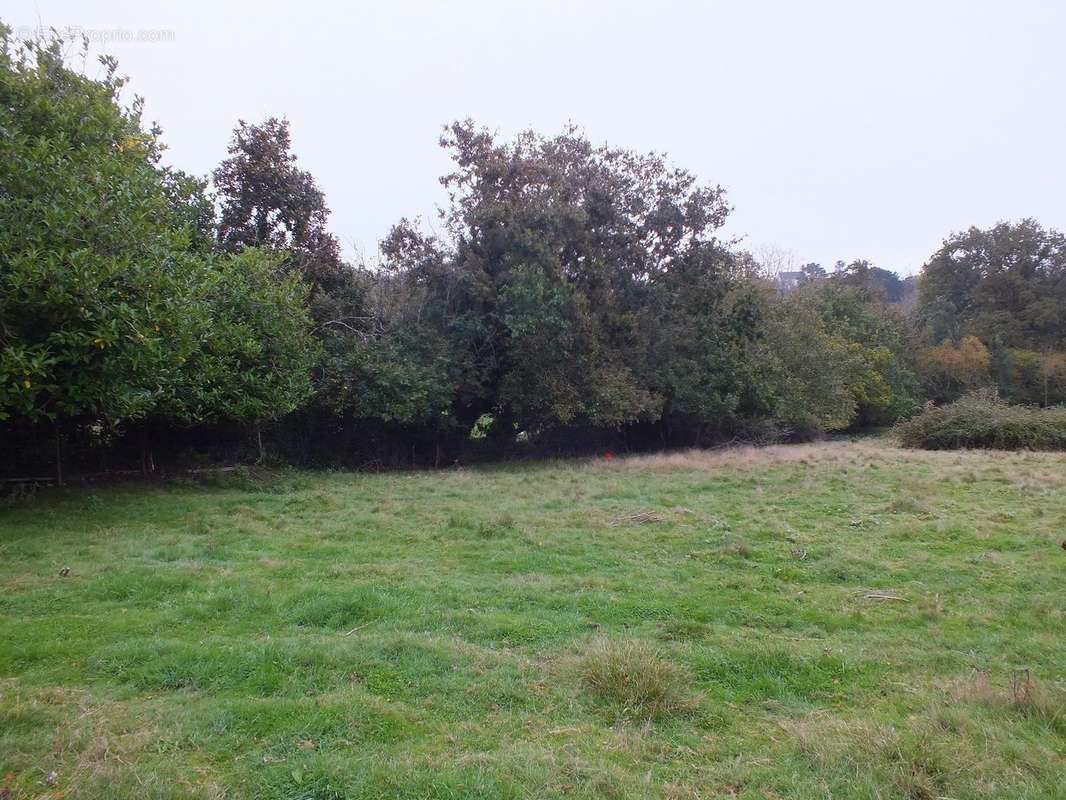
[
  {"x": 909, "y": 504},
  {"x": 1022, "y": 693},
  {"x": 1046, "y": 466},
  {"x": 637, "y": 680},
  {"x": 637, "y": 518},
  {"x": 829, "y": 739},
  {"x": 739, "y": 548},
  {"x": 749, "y": 457}
]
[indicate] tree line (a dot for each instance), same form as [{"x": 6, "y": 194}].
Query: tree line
[{"x": 575, "y": 295}]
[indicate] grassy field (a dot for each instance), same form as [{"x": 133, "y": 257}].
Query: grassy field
[{"x": 841, "y": 620}]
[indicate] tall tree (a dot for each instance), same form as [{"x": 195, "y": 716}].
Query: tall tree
[
  {"x": 808, "y": 370},
  {"x": 875, "y": 282},
  {"x": 100, "y": 293},
  {"x": 114, "y": 312},
  {"x": 556, "y": 249},
  {"x": 586, "y": 286},
  {"x": 268, "y": 201},
  {"x": 1005, "y": 285}
]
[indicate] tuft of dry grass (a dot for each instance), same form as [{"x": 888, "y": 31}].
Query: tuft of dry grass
[
  {"x": 740, "y": 548},
  {"x": 829, "y": 739},
  {"x": 1024, "y": 694},
  {"x": 932, "y": 608},
  {"x": 909, "y": 504},
  {"x": 634, "y": 677}
]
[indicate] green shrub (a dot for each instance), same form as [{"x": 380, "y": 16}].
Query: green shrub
[{"x": 982, "y": 420}]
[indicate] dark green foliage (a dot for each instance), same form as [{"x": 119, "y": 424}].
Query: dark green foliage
[
  {"x": 706, "y": 326},
  {"x": 392, "y": 379},
  {"x": 94, "y": 271},
  {"x": 255, "y": 361},
  {"x": 577, "y": 296},
  {"x": 809, "y": 371},
  {"x": 551, "y": 239},
  {"x": 874, "y": 282},
  {"x": 115, "y": 311},
  {"x": 267, "y": 201},
  {"x": 191, "y": 206},
  {"x": 581, "y": 286},
  {"x": 982, "y": 420},
  {"x": 1004, "y": 285}
]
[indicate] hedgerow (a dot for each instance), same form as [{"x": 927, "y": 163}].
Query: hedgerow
[{"x": 983, "y": 420}]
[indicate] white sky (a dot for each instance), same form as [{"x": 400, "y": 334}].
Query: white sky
[{"x": 840, "y": 130}]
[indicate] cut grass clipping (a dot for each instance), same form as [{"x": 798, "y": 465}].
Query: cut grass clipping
[{"x": 636, "y": 681}]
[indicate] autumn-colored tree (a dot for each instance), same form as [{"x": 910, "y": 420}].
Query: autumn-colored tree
[{"x": 949, "y": 370}]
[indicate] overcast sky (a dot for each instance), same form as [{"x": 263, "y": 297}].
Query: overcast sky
[{"x": 840, "y": 130}]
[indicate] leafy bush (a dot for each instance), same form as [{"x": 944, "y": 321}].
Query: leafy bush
[{"x": 983, "y": 420}]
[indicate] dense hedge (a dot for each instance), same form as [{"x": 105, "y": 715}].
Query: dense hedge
[{"x": 982, "y": 420}]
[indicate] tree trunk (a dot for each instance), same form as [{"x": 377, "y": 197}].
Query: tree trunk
[
  {"x": 147, "y": 462},
  {"x": 59, "y": 457},
  {"x": 259, "y": 441}
]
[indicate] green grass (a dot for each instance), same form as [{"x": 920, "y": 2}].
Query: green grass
[{"x": 844, "y": 620}]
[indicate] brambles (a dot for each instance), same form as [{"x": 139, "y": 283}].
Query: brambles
[{"x": 982, "y": 420}]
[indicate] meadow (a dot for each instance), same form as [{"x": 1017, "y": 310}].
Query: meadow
[{"x": 836, "y": 620}]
